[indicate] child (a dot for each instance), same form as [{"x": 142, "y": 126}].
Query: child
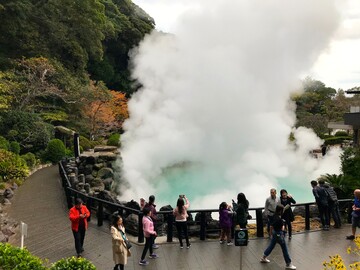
[
  {"x": 150, "y": 234},
  {"x": 225, "y": 223},
  {"x": 278, "y": 236}
]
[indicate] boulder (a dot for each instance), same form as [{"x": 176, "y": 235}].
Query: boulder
[
  {"x": 3, "y": 238},
  {"x": 8, "y": 193},
  {"x": 98, "y": 166},
  {"x": 90, "y": 160},
  {"x": 105, "y": 148},
  {"x": 6, "y": 202},
  {"x": 89, "y": 178},
  {"x": 108, "y": 183},
  {"x": 105, "y": 173}
]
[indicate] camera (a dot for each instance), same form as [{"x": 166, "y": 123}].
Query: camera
[{"x": 182, "y": 196}]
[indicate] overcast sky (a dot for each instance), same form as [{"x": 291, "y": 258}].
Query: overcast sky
[{"x": 338, "y": 66}]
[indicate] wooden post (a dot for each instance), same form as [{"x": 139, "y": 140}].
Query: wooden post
[
  {"x": 170, "y": 221},
  {"x": 259, "y": 223},
  {"x": 307, "y": 217},
  {"x": 202, "y": 225}
]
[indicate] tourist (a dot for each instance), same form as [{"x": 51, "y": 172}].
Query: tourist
[
  {"x": 119, "y": 248},
  {"x": 151, "y": 205},
  {"x": 286, "y": 200},
  {"x": 270, "y": 207},
  {"x": 78, "y": 215},
  {"x": 278, "y": 236},
  {"x": 241, "y": 209},
  {"x": 355, "y": 220},
  {"x": 333, "y": 203},
  {"x": 150, "y": 234},
  {"x": 225, "y": 222},
  {"x": 321, "y": 199},
  {"x": 181, "y": 215}
]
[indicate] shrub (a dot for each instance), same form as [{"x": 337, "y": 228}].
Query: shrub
[
  {"x": 55, "y": 151},
  {"x": 73, "y": 263},
  {"x": 114, "y": 140},
  {"x": 4, "y": 144},
  {"x": 2, "y": 186},
  {"x": 336, "y": 140},
  {"x": 12, "y": 166},
  {"x": 341, "y": 134},
  {"x": 84, "y": 143},
  {"x": 69, "y": 152},
  {"x": 30, "y": 159},
  {"x": 15, "y": 258},
  {"x": 14, "y": 147}
]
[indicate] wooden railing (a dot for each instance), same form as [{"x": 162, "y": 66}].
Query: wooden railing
[{"x": 99, "y": 204}]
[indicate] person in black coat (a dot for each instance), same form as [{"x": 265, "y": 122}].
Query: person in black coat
[{"x": 286, "y": 200}]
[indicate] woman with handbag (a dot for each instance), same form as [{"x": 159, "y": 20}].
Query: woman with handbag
[{"x": 119, "y": 239}]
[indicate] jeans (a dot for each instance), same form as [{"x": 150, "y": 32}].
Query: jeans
[
  {"x": 278, "y": 237},
  {"x": 79, "y": 239},
  {"x": 149, "y": 241},
  {"x": 335, "y": 212},
  {"x": 324, "y": 214},
  {"x": 181, "y": 227}
]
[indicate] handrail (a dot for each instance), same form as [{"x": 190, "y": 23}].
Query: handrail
[{"x": 91, "y": 202}]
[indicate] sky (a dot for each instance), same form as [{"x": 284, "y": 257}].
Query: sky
[
  {"x": 213, "y": 116},
  {"x": 338, "y": 66}
]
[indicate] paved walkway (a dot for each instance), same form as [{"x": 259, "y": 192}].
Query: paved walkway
[{"x": 40, "y": 203}]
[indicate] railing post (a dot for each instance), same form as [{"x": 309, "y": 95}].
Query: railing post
[
  {"x": 140, "y": 228},
  {"x": 68, "y": 197},
  {"x": 202, "y": 225},
  {"x": 99, "y": 214},
  {"x": 170, "y": 231},
  {"x": 307, "y": 217},
  {"x": 259, "y": 223}
]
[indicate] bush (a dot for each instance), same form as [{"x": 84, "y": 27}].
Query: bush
[
  {"x": 12, "y": 166},
  {"x": 114, "y": 140},
  {"x": 73, "y": 263},
  {"x": 84, "y": 143},
  {"x": 2, "y": 186},
  {"x": 4, "y": 144},
  {"x": 15, "y": 258},
  {"x": 341, "y": 134},
  {"x": 14, "y": 147},
  {"x": 55, "y": 151},
  {"x": 30, "y": 159},
  {"x": 336, "y": 140},
  {"x": 69, "y": 152}
]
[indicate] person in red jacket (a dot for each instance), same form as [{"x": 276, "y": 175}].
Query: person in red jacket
[{"x": 78, "y": 216}]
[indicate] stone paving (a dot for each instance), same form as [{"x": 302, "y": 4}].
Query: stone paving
[{"x": 40, "y": 203}]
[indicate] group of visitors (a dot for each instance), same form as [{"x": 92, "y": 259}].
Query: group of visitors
[
  {"x": 277, "y": 210},
  {"x": 327, "y": 202}
]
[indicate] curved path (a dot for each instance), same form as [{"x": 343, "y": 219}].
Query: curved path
[{"x": 40, "y": 203}]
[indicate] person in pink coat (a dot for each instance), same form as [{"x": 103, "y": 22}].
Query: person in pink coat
[{"x": 149, "y": 234}]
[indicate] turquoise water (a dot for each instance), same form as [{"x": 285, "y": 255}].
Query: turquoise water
[{"x": 195, "y": 182}]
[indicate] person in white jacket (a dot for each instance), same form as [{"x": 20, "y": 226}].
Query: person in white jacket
[{"x": 120, "y": 251}]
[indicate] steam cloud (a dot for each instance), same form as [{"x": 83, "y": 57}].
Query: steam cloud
[{"x": 215, "y": 102}]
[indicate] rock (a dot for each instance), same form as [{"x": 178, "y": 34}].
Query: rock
[
  {"x": 90, "y": 160},
  {"x": 3, "y": 238},
  {"x": 8, "y": 193},
  {"x": 14, "y": 186},
  {"x": 108, "y": 183},
  {"x": 89, "y": 178},
  {"x": 98, "y": 166},
  {"x": 88, "y": 169},
  {"x": 300, "y": 211},
  {"x": 133, "y": 204},
  {"x": 81, "y": 178},
  {"x": 105, "y": 173},
  {"x": 8, "y": 230},
  {"x": 6, "y": 202},
  {"x": 96, "y": 182},
  {"x": 87, "y": 188},
  {"x": 105, "y": 148}
]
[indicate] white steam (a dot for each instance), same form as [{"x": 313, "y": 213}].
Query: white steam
[{"x": 214, "y": 115}]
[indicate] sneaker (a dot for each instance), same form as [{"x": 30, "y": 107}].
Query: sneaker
[
  {"x": 221, "y": 242},
  {"x": 264, "y": 260},
  {"x": 289, "y": 237},
  {"x": 350, "y": 237},
  {"x": 155, "y": 246},
  {"x": 153, "y": 256},
  {"x": 229, "y": 243},
  {"x": 143, "y": 262},
  {"x": 79, "y": 256},
  {"x": 188, "y": 246},
  {"x": 181, "y": 247},
  {"x": 290, "y": 266}
]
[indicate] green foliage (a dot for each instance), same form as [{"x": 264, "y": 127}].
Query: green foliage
[
  {"x": 73, "y": 264},
  {"x": 14, "y": 147},
  {"x": 350, "y": 166},
  {"x": 2, "y": 186},
  {"x": 12, "y": 166},
  {"x": 114, "y": 140},
  {"x": 336, "y": 140},
  {"x": 69, "y": 152},
  {"x": 85, "y": 143},
  {"x": 30, "y": 131},
  {"x": 341, "y": 134},
  {"x": 4, "y": 144},
  {"x": 15, "y": 258},
  {"x": 55, "y": 151},
  {"x": 30, "y": 159}
]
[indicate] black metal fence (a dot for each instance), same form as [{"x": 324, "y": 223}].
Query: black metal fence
[{"x": 201, "y": 223}]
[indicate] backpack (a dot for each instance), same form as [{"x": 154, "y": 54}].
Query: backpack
[{"x": 332, "y": 197}]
